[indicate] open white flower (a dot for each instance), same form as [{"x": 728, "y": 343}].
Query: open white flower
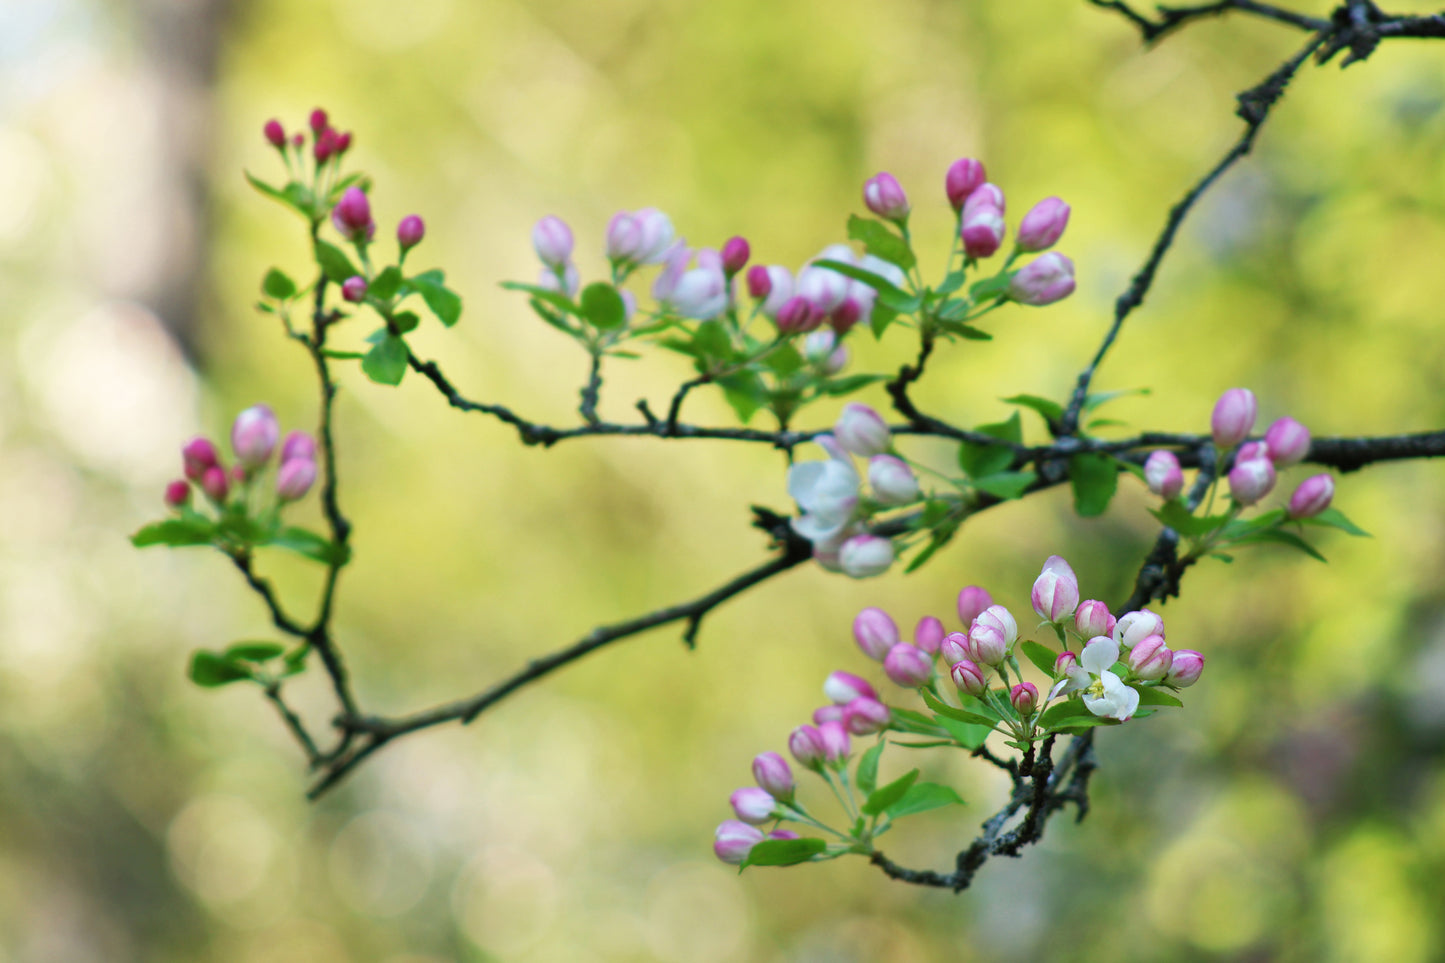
[
  {"x": 1104, "y": 693},
  {"x": 827, "y": 491}
]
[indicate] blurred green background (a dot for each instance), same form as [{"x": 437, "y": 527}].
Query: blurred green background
[{"x": 1294, "y": 811}]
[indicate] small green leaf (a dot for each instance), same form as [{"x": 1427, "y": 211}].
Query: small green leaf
[
  {"x": 277, "y": 285},
  {"x": 1094, "y": 477},
  {"x": 189, "y": 529},
  {"x": 1095, "y": 400},
  {"x": 978, "y": 460},
  {"x": 385, "y": 285},
  {"x": 445, "y": 303},
  {"x": 881, "y": 318},
  {"x": 311, "y": 545},
  {"x": 1182, "y": 520},
  {"x": 784, "y": 852},
  {"x": 965, "y": 330},
  {"x": 1071, "y": 712},
  {"x": 1005, "y": 484},
  {"x": 1155, "y": 696},
  {"x": 1334, "y": 518},
  {"x": 295, "y": 660},
  {"x": 880, "y": 799},
  {"x": 881, "y": 242},
  {"x": 385, "y": 363},
  {"x": 293, "y": 195},
  {"x": 888, "y": 293},
  {"x": 253, "y": 651},
  {"x": 745, "y": 392},
  {"x": 210, "y": 669},
  {"x": 970, "y": 735},
  {"x": 922, "y": 797},
  {"x": 1051, "y": 411},
  {"x": 941, "y": 535},
  {"x": 405, "y": 321},
  {"x": 784, "y": 360},
  {"x": 990, "y": 288},
  {"x": 914, "y": 723},
  {"x": 334, "y": 262},
  {"x": 602, "y": 306},
  {"x": 1281, "y": 537},
  {"x": 979, "y": 714},
  {"x": 850, "y": 384},
  {"x": 867, "y": 776},
  {"x": 711, "y": 340},
  {"x": 556, "y": 299},
  {"x": 951, "y": 283},
  {"x": 1041, "y": 656}
]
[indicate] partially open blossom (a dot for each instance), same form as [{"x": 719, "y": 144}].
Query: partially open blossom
[
  {"x": 1233, "y": 417},
  {"x": 657, "y": 235},
  {"x": 892, "y": 480},
  {"x": 1150, "y": 659},
  {"x": 982, "y": 232},
  {"x": 294, "y": 479},
  {"x": 1055, "y": 594},
  {"x": 734, "y": 840},
  {"x": 841, "y": 687},
  {"x": 624, "y": 237},
  {"x": 991, "y": 635},
  {"x": 216, "y": 484},
  {"x": 701, "y": 293},
  {"x": 864, "y": 556},
  {"x": 1024, "y": 697},
  {"x": 1163, "y": 475},
  {"x": 1044, "y": 280},
  {"x": 353, "y": 289},
  {"x": 352, "y": 215},
  {"x": 862, "y": 431},
  {"x": 1133, "y": 627},
  {"x": 806, "y": 745},
  {"x": 797, "y": 314},
  {"x": 928, "y": 636},
  {"x": 885, "y": 197},
  {"x": 772, "y": 772},
  {"x": 953, "y": 648},
  {"x": 1251, "y": 480},
  {"x": 197, "y": 455},
  {"x": 972, "y": 601},
  {"x": 1092, "y": 618},
  {"x": 827, "y": 491},
  {"x": 178, "y": 493},
  {"x": 735, "y": 254},
  {"x": 1289, "y": 442},
  {"x": 1185, "y": 669},
  {"x": 964, "y": 176},
  {"x": 1042, "y": 226},
  {"x": 409, "y": 231},
  {"x": 1104, "y": 693},
  {"x": 908, "y": 666},
  {"x": 864, "y": 716},
  {"x": 254, "y": 435},
  {"x": 552, "y": 239},
  {"x": 968, "y": 677},
  {"x": 753, "y": 805},
  {"x": 875, "y": 632},
  {"x": 298, "y": 444},
  {"x": 275, "y": 133},
  {"x": 1313, "y": 496},
  {"x": 836, "y": 742},
  {"x": 1066, "y": 660}
]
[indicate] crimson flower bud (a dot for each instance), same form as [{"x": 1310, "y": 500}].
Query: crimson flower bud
[
  {"x": 318, "y": 120},
  {"x": 842, "y": 318},
  {"x": 254, "y": 435},
  {"x": 343, "y": 142},
  {"x": 1163, "y": 475},
  {"x": 215, "y": 484},
  {"x": 178, "y": 493},
  {"x": 885, "y": 197},
  {"x": 1251, "y": 480},
  {"x": 352, "y": 215},
  {"x": 968, "y": 677},
  {"x": 1044, "y": 280},
  {"x": 734, "y": 840},
  {"x": 972, "y": 601},
  {"x": 275, "y": 133},
  {"x": 806, "y": 745},
  {"x": 353, "y": 289},
  {"x": 772, "y": 772},
  {"x": 928, "y": 636},
  {"x": 1092, "y": 618},
  {"x": 1289, "y": 442},
  {"x": 875, "y": 632},
  {"x": 1233, "y": 417},
  {"x": 1313, "y": 496},
  {"x": 198, "y": 454},
  {"x": 760, "y": 282},
  {"x": 1185, "y": 669},
  {"x": 841, "y": 687},
  {"x": 964, "y": 176},
  {"x": 908, "y": 666},
  {"x": 297, "y": 139},
  {"x": 1025, "y": 698},
  {"x": 797, "y": 315},
  {"x": 325, "y": 146},
  {"x": 864, "y": 716},
  {"x": 953, "y": 648},
  {"x": 1042, "y": 227},
  {"x": 1150, "y": 659},
  {"x": 410, "y": 231},
  {"x": 735, "y": 254},
  {"x": 753, "y": 805},
  {"x": 295, "y": 478},
  {"x": 862, "y": 431}
]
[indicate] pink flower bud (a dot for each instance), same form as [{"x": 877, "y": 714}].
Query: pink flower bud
[
  {"x": 178, "y": 493},
  {"x": 254, "y": 435},
  {"x": 568, "y": 284},
  {"x": 875, "y": 632},
  {"x": 1055, "y": 594},
  {"x": 825, "y": 288},
  {"x": 968, "y": 677},
  {"x": 772, "y": 772},
  {"x": 295, "y": 478},
  {"x": 326, "y": 146},
  {"x": 734, "y": 840},
  {"x": 1041, "y": 227},
  {"x": 624, "y": 237},
  {"x": 797, "y": 315},
  {"x": 657, "y": 235},
  {"x": 1065, "y": 662},
  {"x": 760, "y": 282},
  {"x": 864, "y": 716},
  {"x": 842, "y": 318},
  {"x": 783, "y": 834},
  {"x": 735, "y": 254},
  {"x": 197, "y": 455},
  {"x": 836, "y": 742},
  {"x": 353, "y": 289},
  {"x": 297, "y": 139},
  {"x": 298, "y": 444},
  {"x": 862, "y": 431},
  {"x": 1233, "y": 417},
  {"x": 841, "y": 687},
  {"x": 1185, "y": 669},
  {"x": 1289, "y": 442},
  {"x": 991, "y": 635},
  {"x": 972, "y": 601},
  {"x": 928, "y": 636},
  {"x": 410, "y": 231},
  {"x": 352, "y": 215},
  {"x": 824, "y": 714},
  {"x": 982, "y": 233},
  {"x": 986, "y": 195},
  {"x": 215, "y": 484},
  {"x": 318, "y": 120},
  {"x": 885, "y": 197},
  {"x": 275, "y": 133},
  {"x": 908, "y": 665},
  {"x": 806, "y": 745},
  {"x": 1044, "y": 280},
  {"x": 1133, "y": 627},
  {"x": 1251, "y": 480},
  {"x": 1313, "y": 496},
  {"x": 1163, "y": 475},
  {"x": 864, "y": 556},
  {"x": 1150, "y": 659},
  {"x": 343, "y": 142},
  {"x": 1251, "y": 450},
  {"x": 753, "y": 805},
  {"x": 965, "y": 175},
  {"x": 238, "y": 474},
  {"x": 552, "y": 239},
  {"x": 953, "y": 648},
  {"x": 893, "y": 483},
  {"x": 1092, "y": 618},
  {"x": 1025, "y": 698}
]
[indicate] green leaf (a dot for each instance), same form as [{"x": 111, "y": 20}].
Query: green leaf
[
  {"x": 970, "y": 735},
  {"x": 881, "y": 242},
  {"x": 445, "y": 303},
  {"x": 311, "y": 545},
  {"x": 1095, "y": 400},
  {"x": 385, "y": 363},
  {"x": 189, "y": 529},
  {"x": 1281, "y": 537},
  {"x": 881, "y": 318},
  {"x": 210, "y": 669},
  {"x": 293, "y": 195},
  {"x": 405, "y": 321},
  {"x": 385, "y": 285},
  {"x": 867, "y": 776},
  {"x": 1245, "y": 526},
  {"x": 914, "y": 723},
  {"x": 602, "y": 306},
  {"x": 1182, "y": 520},
  {"x": 1094, "y": 477},
  {"x": 711, "y": 340},
  {"x": 1334, "y": 518},
  {"x": 888, "y": 293},
  {"x": 951, "y": 283},
  {"x": 277, "y": 285},
  {"x": 922, "y": 797},
  {"x": 941, "y": 535},
  {"x": 1155, "y": 696},
  {"x": 1071, "y": 712},
  {"x": 1051, "y": 411},
  {"x": 784, "y": 360},
  {"x": 850, "y": 384},
  {"x": 253, "y": 651},
  {"x": 334, "y": 262},
  {"x": 1005, "y": 484},
  {"x": 295, "y": 660},
  {"x": 342, "y": 355},
  {"x": 784, "y": 852},
  {"x": 979, "y": 715},
  {"x": 990, "y": 288},
  {"x": 965, "y": 330},
  {"x": 1041, "y": 656},
  {"x": 978, "y": 460},
  {"x": 880, "y": 799},
  {"x": 556, "y": 299},
  {"x": 745, "y": 392}
]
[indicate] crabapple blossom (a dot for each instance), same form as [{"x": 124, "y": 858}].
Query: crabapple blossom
[
  {"x": 992, "y": 634},
  {"x": 1044, "y": 280},
  {"x": 864, "y": 556},
  {"x": 864, "y": 716},
  {"x": 806, "y": 745},
  {"x": 836, "y": 741},
  {"x": 1134, "y": 627},
  {"x": 841, "y": 687},
  {"x": 275, "y": 133},
  {"x": 954, "y": 647},
  {"x": 968, "y": 677},
  {"x": 353, "y": 289},
  {"x": 1042, "y": 226},
  {"x": 735, "y": 254},
  {"x": 216, "y": 484},
  {"x": 1104, "y": 693},
  {"x": 409, "y": 232},
  {"x": 875, "y": 632},
  {"x": 829, "y": 713},
  {"x": 1185, "y": 669},
  {"x": 352, "y": 215},
  {"x": 928, "y": 636},
  {"x": 908, "y": 666},
  {"x": 753, "y": 805},
  {"x": 295, "y": 478},
  {"x": 552, "y": 240},
  {"x": 862, "y": 431},
  {"x": 1024, "y": 697},
  {"x": 1312, "y": 496},
  {"x": 1233, "y": 417},
  {"x": 885, "y": 197},
  {"x": 1092, "y": 618},
  {"x": 254, "y": 435},
  {"x": 1150, "y": 659},
  {"x": 1251, "y": 480},
  {"x": 964, "y": 176},
  {"x": 892, "y": 480},
  {"x": 1055, "y": 593},
  {"x": 982, "y": 231},
  {"x": 1163, "y": 475},
  {"x": 197, "y": 455},
  {"x": 772, "y": 772},
  {"x": 1066, "y": 660},
  {"x": 569, "y": 283},
  {"x": 797, "y": 314},
  {"x": 734, "y": 840},
  {"x": 178, "y": 493},
  {"x": 972, "y": 601},
  {"x": 298, "y": 444},
  {"x": 1251, "y": 450},
  {"x": 1289, "y": 442}
]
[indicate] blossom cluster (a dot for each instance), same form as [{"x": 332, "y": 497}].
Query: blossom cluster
[{"x": 255, "y": 435}]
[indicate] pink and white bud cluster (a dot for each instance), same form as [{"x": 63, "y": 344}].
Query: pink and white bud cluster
[
  {"x": 328, "y": 143},
  {"x": 823, "y": 351},
  {"x": 254, "y": 437},
  {"x": 639, "y": 237},
  {"x": 819, "y": 295}
]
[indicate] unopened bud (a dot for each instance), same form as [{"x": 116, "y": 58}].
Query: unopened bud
[
  {"x": 1313, "y": 496},
  {"x": 1133, "y": 627},
  {"x": 862, "y": 431},
  {"x": 1233, "y": 417},
  {"x": 842, "y": 318},
  {"x": 352, "y": 215},
  {"x": 1163, "y": 475},
  {"x": 982, "y": 233},
  {"x": 197, "y": 455},
  {"x": 343, "y": 142},
  {"x": 841, "y": 687},
  {"x": 733, "y": 840},
  {"x": 1150, "y": 659},
  {"x": 806, "y": 745},
  {"x": 968, "y": 677},
  {"x": 318, "y": 120},
  {"x": 410, "y": 231},
  {"x": 275, "y": 134},
  {"x": 216, "y": 484},
  {"x": 836, "y": 742},
  {"x": 1092, "y": 618},
  {"x": 1185, "y": 669},
  {"x": 295, "y": 478},
  {"x": 753, "y": 805},
  {"x": 908, "y": 666},
  {"x": 760, "y": 282},
  {"x": 772, "y": 772},
  {"x": 991, "y": 635},
  {"x": 953, "y": 648},
  {"x": 986, "y": 195},
  {"x": 1042, "y": 226},
  {"x": 797, "y": 315},
  {"x": 1055, "y": 593},
  {"x": 965, "y": 175},
  {"x": 928, "y": 636},
  {"x": 1251, "y": 480},
  {"x": 1044, "y": 280},
  {"x": 972, "y": 601},
  {"x": 1065, "y": 662},
  {"x": 178, "y": 493},
  {"x": 1024, "y": 697},
  {"x": 1251, "y": 450},
  {"x": 864, "y": 716},
  {"x": 893, "y": 483},
  {"x": 298, "y": 444},
  {"x": 829, "y": 713},
  {"x": 885, "y": 197},
  {"x": 254, "y": 435},
  {"x": 353, "y": 289},
  {"x": 1289, "y": 442},
  {"x": 875, "y": 632},
  {"x": 326, "y": 146},
  {"x": 552, "y": 239},
  {"x": 864, "y": 556},
  {"x": 735, "y": 254}
]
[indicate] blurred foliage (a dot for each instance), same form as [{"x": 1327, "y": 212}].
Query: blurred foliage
[{"x": 1295, "y": 811}]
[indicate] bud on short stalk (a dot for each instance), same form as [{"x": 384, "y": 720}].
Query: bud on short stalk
[
  {"x": 885, "y": 197},
  {"x": 1184, "y": 669},
  {"x": 829, "y": 713},
  {"x": 178, "y": 493},
  {"x": 982, "y": 233},
  {"x": 734, "y": 840},
  {"x": 735, "y": 254},
  {"x": 552, "y": 239},
  {"x": 254, "y": 435},
  {"x": 1251, "y": 480},
  {"x": 972, "y": 601},
  {"x": 842, "y": 318},
  {"x": 953, "y": 648},
  {"x": 275, "y": 134},
  {"x": 1288, "y": 441},
  {"x": 928, "y": 636},
  {"x": 836, "y": 742},
  {"x": 343, "y": 142},
  {"x": 875, "y": 632},
  {"x": 1150, "y": 659},
  {"x": 353, "y": 289},
  {"x": 569, "y": 283},
  {"x": 772, "y": 772},
  {"x": 1065, "y": 662},
  {"x": 1024, "y": 697},
  {"x": 295, "y": 478},
  {"x": 1133, "y": 627},
  {"x": 806, "y": 745},
  {"x": 862, "y": 431},
  {"x": 991, "y": 635},
  {"x": 1092, "y": 618},
  {"x": 964, "y": 176},
  {"x": 197, "y": 455},
  {"x": 1055, "y": 593},
  {"x": 352, "y": 216},
  {"x": 865, "y": 556},
  {"x": 753, "y": 805},
  {"x": 893, "y": 482},
  {"x": 864, "y": 716},
  {"x": 1313, "y": 496},
  {"x": 298, "y": 444},
  {"x": 797, "y": 315},
  {"x": 841, "y": 687},
  {"x": 1233, "y": 417},
  {"x": 1043, "y": 281},
  {"x": 410, "y": 231},
  {"x": 1163, "y": 475},
  {"x": 215, "y": 484},
  {"x": 968, "y": 677},
  {"x": 908, "y": 666},
  {"x": 1042, "y": 226}
]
